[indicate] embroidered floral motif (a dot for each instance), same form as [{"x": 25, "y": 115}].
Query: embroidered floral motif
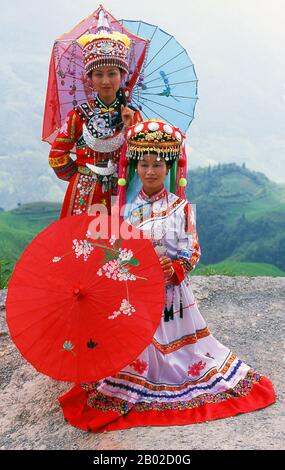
[
  {"x": 105, "y": 403},
  {"x": 57, "y": 162},
  {"x": 91, "y": 344},
  {"x": 115, "y": 265},
  {"x": 196, "y": 368},
  {"x": 83, "y": 190},
  {"x": 112, "y": 240},
  {"x": 100, "y": 401},
  {"x": 125, "y": 308},
  {"x": 243, "y": 388},
  {"x": 125, "y": 255},
  {"x": 114, "y": 270},
  {"x": 117, "y": 260},
  {"x": 139, "y": 365},
  {"x": 82, "y": 247},
  {"x": 68, "y": 346}
]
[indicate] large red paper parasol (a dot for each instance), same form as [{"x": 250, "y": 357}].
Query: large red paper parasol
[
  {"x": 80, "y": 308},
  {"x": 68, "y": 85}
]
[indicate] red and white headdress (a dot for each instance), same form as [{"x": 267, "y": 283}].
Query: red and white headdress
[
  {"x": 161, "y": 138},
  {"x": 154, "y": 136},
  {"x": 105, "y": 48}
]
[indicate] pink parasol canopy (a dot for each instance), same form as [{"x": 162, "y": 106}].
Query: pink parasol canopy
[{"x": 68, "y": 85}]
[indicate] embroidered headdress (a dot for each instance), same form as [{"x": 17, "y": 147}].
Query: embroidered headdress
[
  {"x": 154, "y": 136},
  {"x": 161, "y": 138},
  {"x": 106, "y": 47}
]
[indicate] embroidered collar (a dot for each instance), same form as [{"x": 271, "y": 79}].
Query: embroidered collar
[
  {"x": 153, "y": 197},
  {"x": 103, "y": 106}
]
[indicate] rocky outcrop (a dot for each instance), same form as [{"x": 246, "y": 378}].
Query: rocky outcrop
[{"x": 246, "y": 314}]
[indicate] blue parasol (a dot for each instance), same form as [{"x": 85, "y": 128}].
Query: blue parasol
[{"x": 167, "y": 84}]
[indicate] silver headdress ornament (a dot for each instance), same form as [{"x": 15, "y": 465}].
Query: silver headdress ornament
[
  {"x": 105, "y": 48},
  {"x": 103, "y": 24}
]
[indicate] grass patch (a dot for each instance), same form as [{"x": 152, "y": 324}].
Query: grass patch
[{"x": 238, "y": 268}]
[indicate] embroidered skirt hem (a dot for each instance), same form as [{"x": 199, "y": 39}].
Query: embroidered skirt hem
[{"x": 78, "y": 413}]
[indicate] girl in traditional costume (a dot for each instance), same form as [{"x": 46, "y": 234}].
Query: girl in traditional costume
[
  {"x": 185, "y": 375},
  {"x": 95, "y": 128}
]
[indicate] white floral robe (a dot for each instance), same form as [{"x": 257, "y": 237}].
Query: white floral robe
[{"x": 184, "y": 367}]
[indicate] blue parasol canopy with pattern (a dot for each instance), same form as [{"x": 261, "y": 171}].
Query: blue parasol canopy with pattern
[{"x": 167, "y": 84}]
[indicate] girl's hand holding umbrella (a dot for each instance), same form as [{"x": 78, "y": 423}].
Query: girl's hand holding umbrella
[
  {"x": 166, "y": 264},
  {"x": 127, "y": 115}
]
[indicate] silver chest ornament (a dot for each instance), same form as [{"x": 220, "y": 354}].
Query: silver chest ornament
[
  {"x": 104, "y": 145},
  {"x": 110, "y": 169}
]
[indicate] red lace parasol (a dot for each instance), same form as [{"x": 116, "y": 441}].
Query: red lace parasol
[{"x": 68, "y": 85}]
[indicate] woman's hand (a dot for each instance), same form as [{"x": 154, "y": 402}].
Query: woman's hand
[
  {"x": 127, "y": 115},
  {"x": 166, "y": 264}
]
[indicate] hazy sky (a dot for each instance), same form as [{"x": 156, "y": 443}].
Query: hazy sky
[{"x": 237, "y": 47}]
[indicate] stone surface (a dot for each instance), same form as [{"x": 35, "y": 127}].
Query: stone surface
[{"x": 246, "y": 314}]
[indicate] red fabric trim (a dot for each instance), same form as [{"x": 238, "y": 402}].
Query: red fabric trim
[
  {"x": 80, "y": 415},
  {"x": 69, "y": 196},
  {"x": 179, "y": 273},
  {"x": 181, "y": 172},
  {"x": 122, "y": 172},
  {"x": 187, "y": 211},
  {"x": 95, "y": 197},
  {"x": 137, "y": 117}
]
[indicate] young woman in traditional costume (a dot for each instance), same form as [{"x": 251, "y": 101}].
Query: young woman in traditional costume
[
  {"x": 185, "y": 375},
  {"x": 95, "y": 128}
]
